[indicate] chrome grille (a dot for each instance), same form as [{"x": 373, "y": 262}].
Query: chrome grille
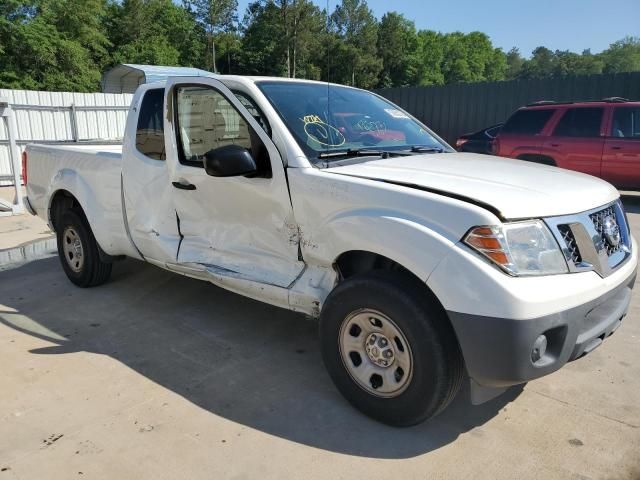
[
  {"x": 572, "y": 252},
  {"x": 598, "y": 223},
  {"x": 589, "y": 239}
]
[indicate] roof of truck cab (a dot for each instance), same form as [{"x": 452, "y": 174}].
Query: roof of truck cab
[
  {"x": 252, "y": 79},
  {"x": 126, "y": 77}
]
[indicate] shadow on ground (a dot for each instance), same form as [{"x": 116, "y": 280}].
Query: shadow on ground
[{"x": 240, "y": 359}]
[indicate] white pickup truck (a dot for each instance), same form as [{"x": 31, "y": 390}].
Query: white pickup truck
[{"x": 425, "y": 266}]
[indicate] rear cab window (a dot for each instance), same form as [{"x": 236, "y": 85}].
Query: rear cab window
[
  {"x": 150, "y": 128},
  {"x": 580, "y": 122},
  {"x": 527, "y": 122}
]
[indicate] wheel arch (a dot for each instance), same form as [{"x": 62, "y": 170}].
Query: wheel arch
[
  {"x": 99, "y": 205},
  {"x": 62, "y": 200},
  {"x": 356, "y": 262}
]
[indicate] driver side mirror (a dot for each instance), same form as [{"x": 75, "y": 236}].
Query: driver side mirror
[{"x": 229, "y": 161}]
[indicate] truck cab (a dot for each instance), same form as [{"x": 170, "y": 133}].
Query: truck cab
[{"x": 425, "y": 266}]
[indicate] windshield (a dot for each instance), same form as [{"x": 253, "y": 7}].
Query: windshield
[{"x": 332, "y": 118}]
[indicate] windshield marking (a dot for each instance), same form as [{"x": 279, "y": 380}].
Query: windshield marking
[{"x": 321, "y": 132}]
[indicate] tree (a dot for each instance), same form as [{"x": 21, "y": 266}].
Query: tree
[
  {"x": 354, "y": 32},
  {"x": 156, "y": 32},
  {"x": 472, "y": 58},
  {"x": 305, "y": 37},
  {"x": 570, "y": 63},
  {"x": 283, "y": 36},
  {"x": 398, "y": 49},
  {"x": 52, "y": 44},
  {"x": 622, "y": 56},
  {"x": 430, "y": 56},
  {"x": 229, "y": 50},
  {"x": 541, "y": 64},
  {"x": 216, "y": 17},
  {"x": 67, "y": 44},
  {"x": 515, "y": 63},
  {"x": 262, "y": 48}
]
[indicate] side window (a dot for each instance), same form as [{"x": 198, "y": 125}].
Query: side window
[
  {"x": 206, "y": 121},
  {"x": 248, "y": 103},
  {"x": 527, "y": 122},
  {"x": 580, "y": 122},
  {"x": 150, "y": 129},
  {"x": 626, "y": 123}
]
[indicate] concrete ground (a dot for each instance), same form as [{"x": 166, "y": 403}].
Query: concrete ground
[
  {"x": 154, "y": 375},
  {"x": 19, "y": 230}
]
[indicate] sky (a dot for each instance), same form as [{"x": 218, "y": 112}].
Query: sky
[{"x": 526, "y": 24}]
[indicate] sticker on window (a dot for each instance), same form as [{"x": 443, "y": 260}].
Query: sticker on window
[{"x": 395, "y": 113}]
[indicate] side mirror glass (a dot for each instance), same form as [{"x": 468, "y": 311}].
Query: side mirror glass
[{"x": 229, "y": 161}]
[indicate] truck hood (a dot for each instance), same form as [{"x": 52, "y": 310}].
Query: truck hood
[{"x": 511, "y": 188}]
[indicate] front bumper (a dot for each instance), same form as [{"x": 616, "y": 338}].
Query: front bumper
[{"x": 498, "y": 351}]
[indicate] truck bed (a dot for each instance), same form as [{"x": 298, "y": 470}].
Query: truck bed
[{"x": 95, "y": 172}]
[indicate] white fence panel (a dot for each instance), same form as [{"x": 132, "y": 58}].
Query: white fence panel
[{"x": 62, "y": 117}]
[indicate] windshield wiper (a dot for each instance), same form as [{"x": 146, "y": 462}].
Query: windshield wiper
[
  {"x": 423, "y": 149},
  {"x": 354, "y": 152}
]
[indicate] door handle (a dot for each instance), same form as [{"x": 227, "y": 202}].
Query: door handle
[
  {"x": 616, "y": 148},
  {"x": 184, "y": 186},
  {"x": 555, "y": 144}
]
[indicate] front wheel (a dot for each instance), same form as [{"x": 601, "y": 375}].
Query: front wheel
[
  {"x": 79, "y": 252},
  {"x": 389, "y": 348}
]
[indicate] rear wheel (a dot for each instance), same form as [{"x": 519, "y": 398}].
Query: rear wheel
[
  {"x": 79, "y": 252},
  {"x": 389, "y": 348}
]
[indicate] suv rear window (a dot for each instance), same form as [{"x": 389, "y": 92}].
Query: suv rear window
[
  {"x": 580, "y": 122},
  {"x": 528, "y": 122}
]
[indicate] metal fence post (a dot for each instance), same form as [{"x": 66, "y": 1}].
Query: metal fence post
[
  {"x": 14, "y": 153},
  {"x": 74, "y": 124}
]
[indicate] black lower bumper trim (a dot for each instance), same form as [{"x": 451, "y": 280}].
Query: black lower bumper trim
[{"x": 498, "y": 351}]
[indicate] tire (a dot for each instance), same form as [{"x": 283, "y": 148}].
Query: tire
[
  {"x": 422, "y": 341},
  {"x": 79, "y": 252}
]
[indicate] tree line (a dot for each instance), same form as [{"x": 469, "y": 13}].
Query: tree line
[{"x": 67, "y": 44}]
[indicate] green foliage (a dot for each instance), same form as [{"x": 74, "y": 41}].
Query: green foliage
[
  {"x": 262, "y": 48},
  {"x": 622, "y": 56},
  {"x": 52, "y": 44},
  {"x": 471, "y": 58},
  {"x": 515, "y": 62},
  {"x": 353, "y": 45},
  {"x": 398, "y": 49},
  {"x": 155, "y": 32},
  {"x": 216, "y": 17},
  {"x": 429, "y": 57},
  {"x": 67, "y": 44}
]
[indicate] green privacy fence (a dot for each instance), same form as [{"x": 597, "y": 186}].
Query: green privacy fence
[{"x": 451, "y": 110}]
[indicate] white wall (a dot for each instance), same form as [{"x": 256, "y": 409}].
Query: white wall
[{"x": 39, "y": 125}]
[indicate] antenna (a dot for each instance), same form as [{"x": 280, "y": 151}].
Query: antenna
[{"x": 328, "y": 74}]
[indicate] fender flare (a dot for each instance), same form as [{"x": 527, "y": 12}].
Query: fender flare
[
  {"x": 70, "y": 181},
  {"x": 415, "y": 246}
]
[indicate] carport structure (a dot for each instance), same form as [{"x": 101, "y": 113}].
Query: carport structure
[{"x": 125, "y": 78}]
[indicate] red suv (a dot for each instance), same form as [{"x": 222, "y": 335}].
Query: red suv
[{"x": 599, "y": 138}]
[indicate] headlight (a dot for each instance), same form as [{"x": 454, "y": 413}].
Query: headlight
[{"x": 519, "y": 248}]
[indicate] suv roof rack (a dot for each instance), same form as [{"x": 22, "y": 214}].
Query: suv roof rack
[
  {"x": 553, "y": 102},
  {"x": 543, "y": 102}
]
